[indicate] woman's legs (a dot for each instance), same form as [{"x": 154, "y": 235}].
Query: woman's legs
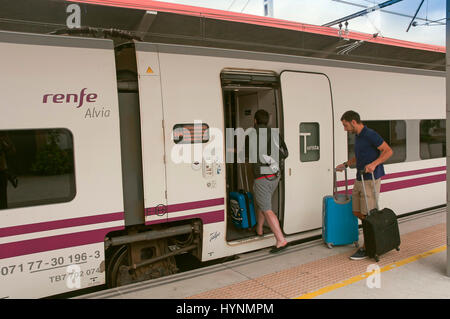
[
  {"x": 274, "y": 225},
  {"x": 260, "y": 222},
  {"x": 263, "y": 190}
]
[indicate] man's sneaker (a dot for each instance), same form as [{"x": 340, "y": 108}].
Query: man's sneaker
[{"x": 360, "y": 254}]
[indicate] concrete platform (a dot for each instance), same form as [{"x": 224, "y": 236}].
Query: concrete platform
[{"x": 312, "y": 270}]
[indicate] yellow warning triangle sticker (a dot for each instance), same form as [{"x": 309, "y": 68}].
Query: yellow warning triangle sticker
[{"x": 149, "y": 70}]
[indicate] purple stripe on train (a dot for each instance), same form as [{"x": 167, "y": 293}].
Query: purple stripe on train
[
  {"x": 161, "y": 209},
  {"x": 31, "y": 246},
  {"x": 38, "y": 245},
  {"x": 58, "y": 224},
  {"x": 207, "y": 218},
  {"x": 400, "y": 174},
  {"x": 388, "y": 187}
]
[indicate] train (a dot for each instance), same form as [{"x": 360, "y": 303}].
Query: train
[{"x": 115, "y": 153}]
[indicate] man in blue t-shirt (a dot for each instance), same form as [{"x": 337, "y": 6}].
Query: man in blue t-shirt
[{"x": 371, "y": 151}]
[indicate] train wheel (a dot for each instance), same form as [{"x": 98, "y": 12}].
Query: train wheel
[
  {"x": 153, "y": 250},
  {"x": 119, "y": 257},
  {"x": 119, "y": 274}
]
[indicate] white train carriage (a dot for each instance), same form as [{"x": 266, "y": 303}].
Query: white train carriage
[
  {"x": 117, "y": 176},
  {"x": 223, "y": 89},
  {"x": 60, "y": 110}
]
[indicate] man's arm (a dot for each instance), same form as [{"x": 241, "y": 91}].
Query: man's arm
[
  {"x": 349, "y": 163},
  {"x": 386, "y": 152}
]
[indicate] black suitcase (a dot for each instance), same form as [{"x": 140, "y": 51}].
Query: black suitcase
[{"x": 380, "y": 227}]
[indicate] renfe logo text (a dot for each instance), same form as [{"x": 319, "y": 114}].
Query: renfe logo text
[{"x": 71, "y": 98}]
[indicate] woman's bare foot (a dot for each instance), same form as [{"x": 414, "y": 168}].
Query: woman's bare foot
[
  {"x": 282, "y": 244},
  {"x": 259, "y": 230},
  {"x": 279, "y": 248}
]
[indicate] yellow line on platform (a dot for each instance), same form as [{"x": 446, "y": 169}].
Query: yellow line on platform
[{"x": 352, "y": 280}]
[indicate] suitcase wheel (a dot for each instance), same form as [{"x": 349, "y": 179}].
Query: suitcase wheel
[
  {"x": 356, "y": 244},
  {"x": 330, "y": 245},
  {"x": 377, "y": 259}
]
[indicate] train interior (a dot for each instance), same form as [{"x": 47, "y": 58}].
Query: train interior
[{"x": 244, "y": 93}]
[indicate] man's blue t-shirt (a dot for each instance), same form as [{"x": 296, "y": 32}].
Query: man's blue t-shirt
[{"x": 366, "y": 151}]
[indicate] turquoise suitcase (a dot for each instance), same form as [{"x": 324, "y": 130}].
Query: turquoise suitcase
[
  {"x": 339, "y": 225},
  {"x": 242, "y": 209}
]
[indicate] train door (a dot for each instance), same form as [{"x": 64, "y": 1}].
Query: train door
[
  {"x": 308, "y": 132},
  {"x": 189, "y": 142},
  {"x": 152, "y": 134}
]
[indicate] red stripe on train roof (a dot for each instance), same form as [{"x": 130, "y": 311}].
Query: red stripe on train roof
[
  {"x": 58, "y": 224},
  {"x": 257, "y": 20}
]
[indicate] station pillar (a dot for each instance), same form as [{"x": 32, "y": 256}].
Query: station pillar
[
  {"x": 447, "y": 63},
  {"x": 268, "y": 8}
]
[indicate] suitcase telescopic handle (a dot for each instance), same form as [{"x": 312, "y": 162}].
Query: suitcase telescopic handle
[
  {"x": 240, "y": 168},
  {"x": 362, "y": 172},
  {"x": 335, "y": 183}
]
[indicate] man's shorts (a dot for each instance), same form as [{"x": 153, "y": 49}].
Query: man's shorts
[
  {"x": 263, "y": 190},
  {"x": 358, "y": 199}
]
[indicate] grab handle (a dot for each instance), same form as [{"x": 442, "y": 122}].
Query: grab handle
[
  {"x": 335, "y": 184},
  {"x": 362, "y": 172}
]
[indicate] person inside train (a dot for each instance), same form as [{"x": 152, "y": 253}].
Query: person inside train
[
  {"x": 371, "y": 151},
  {"x": 267, "y": 176}
]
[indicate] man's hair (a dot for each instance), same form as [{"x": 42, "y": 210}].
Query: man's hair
[
  {"x": 350, "y": 116},
  {"x": 262, "y": 117}
]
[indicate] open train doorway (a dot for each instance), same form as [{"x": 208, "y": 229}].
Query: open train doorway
[{"x": 244, "y": 93}]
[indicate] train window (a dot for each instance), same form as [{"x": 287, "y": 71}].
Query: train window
[
  {"x": 432, "y": 139},
  {"x": 36, "y": 167},
  {"x": 191, "y": 133},
  {"x": 392, "y": 132},
  {"x": 309, "y": 142}
]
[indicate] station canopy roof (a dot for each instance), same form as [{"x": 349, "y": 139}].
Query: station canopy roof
[{"x": 160, "y": 22}]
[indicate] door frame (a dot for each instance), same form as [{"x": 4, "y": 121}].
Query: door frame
[{"x": 282, "y": 129}]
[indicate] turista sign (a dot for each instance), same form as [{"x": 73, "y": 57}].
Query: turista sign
[{"x": 78, "y": 100}]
